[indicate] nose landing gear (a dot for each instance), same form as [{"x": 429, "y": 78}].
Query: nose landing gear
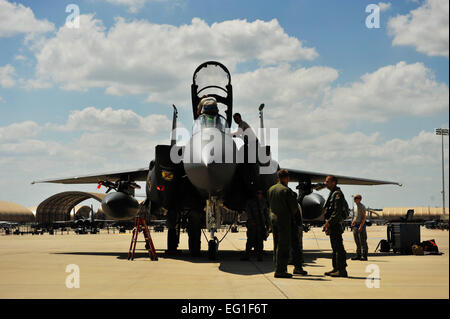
[
  {"x": 213, "y": 248},
  {"x": 213, "y": 222}
]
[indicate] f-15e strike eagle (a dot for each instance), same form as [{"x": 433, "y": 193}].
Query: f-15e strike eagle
[{"x": 193, "y": 181}]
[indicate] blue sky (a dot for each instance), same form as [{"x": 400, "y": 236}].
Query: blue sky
[{"x": 371, "y": 97}]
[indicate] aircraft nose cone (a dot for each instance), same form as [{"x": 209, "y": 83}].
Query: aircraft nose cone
[
  {"x": 210, "y": 166},
  {"x": 210, "y": 176}
]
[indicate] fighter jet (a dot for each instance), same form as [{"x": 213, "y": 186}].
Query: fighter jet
[
  {"x": 212, "y": 170},
  {"x": 7, "y": 224},
  {"x": 82, "y": 224}
]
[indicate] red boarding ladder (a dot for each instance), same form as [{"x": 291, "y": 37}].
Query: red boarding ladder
[{"x": 141, "y": 225}]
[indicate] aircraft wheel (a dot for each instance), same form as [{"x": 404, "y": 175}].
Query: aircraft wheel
[
  {"x": 195, "y": 232},
  {"x": 213, "y": 247}
]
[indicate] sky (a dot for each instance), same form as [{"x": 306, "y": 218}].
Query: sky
[{"x": 93, "y": 93}]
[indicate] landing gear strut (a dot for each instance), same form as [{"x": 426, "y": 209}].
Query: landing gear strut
[
  {"x": 173, "y": 234},
  {"x": 213, "y": 222}
]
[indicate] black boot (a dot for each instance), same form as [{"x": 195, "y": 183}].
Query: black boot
[
  {"x": 339, "y": 273},
  {"x": 300, "y": 271},
  {"x": 283, "y": 275},
  {"x": 329, "y": 272}
]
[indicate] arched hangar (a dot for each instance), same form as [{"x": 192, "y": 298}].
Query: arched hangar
[
  {"x": 12, "y": 212},
  {"x": 58, "y": 206}
]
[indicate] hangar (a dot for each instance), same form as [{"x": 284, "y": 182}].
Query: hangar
[
  {"x": 59, "y": 206},
  {"x": 12, "y": 212}
]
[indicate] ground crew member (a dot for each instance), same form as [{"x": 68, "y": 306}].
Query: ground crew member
[
  {"x": 297, "y": 238},
  {"x": 335, "y": 207},
  {"x": 303, "y": 190},
  {"x": 257, "y": 225},
  {"x": 243, "y": 127},
  {"x": 359, "y": 229},
  {"x": 283, "y": 206}
]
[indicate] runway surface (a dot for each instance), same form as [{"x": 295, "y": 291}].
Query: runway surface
[{"x": 35, "y": 267}]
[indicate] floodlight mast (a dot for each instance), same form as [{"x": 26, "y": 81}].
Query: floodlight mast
[{"x": 442, "y": 132}]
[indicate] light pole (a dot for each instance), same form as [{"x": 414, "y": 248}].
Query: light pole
[{"x": 442, "y": 132}]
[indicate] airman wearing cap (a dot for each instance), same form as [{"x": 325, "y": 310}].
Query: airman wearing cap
[{"x": 359, "y": 228}]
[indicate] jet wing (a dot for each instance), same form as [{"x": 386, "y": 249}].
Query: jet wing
[
  {"x": 298, "y": 176},
  {"x": 137, "y": 175}
]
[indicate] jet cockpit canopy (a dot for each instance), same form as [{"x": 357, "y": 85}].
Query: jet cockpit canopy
[
  {"x": 210, "y": 121},
  {"x": 212, "y": 79}
]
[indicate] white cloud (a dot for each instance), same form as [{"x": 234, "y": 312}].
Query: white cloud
[
  {"x": 20, "y": 57},
  {"x": 414, "y": 162},
  {"x": 425, "y": 28},
  {"x": 18, "y": 131},
  {"x": 304, "y": 101},
  {"x": 35, "y": 84},
  {"x": 91, "y": 119},
  {"x": 384, "y": 6},
  {"x": 293, "y": 96},
  {"x": 110, "y": 140},
  {"x": 7, "y": 76},
  {"x": 133, "y": 5},
  {"x": 283, "y": 85},
  {"x": 27, "y": 147},
  {"x": 401, "y": 89},
  {"x": 361, "y": 149},
  {"x": 16, "y": 18},
  {"x": 9, "y": 79},
  {"x": 139, "y": 57}
]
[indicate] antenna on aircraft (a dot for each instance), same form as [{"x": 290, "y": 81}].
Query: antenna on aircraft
[
  {"x": 174, "y": 125},
  {"x": 261, "y": 122}
]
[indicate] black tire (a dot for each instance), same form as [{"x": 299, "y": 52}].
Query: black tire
[
  {"x": 212, "y": 250},
  {"x": 195, "y": 232}
]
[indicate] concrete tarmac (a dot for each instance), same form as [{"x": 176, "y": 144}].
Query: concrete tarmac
[{"x": 35, "y": 267}]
